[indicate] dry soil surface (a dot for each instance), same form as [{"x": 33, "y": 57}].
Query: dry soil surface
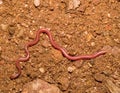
[{"x": 84, "y": 28}]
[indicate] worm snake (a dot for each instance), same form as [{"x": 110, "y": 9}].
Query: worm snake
[{"x": 56, "y": 46}]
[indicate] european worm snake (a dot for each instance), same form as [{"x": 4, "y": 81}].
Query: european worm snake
[{"x": 56, "y": 46}]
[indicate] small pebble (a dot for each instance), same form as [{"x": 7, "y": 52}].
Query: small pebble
[
  {"x": 99, "y": 77},
  {"x": 36, "y": 3},
  {"x": 108, "y": 15},
  {"x": 26, "y": 5},
  {"x": 92, "y": 43},
  {"x": 63, "y": 83},
  {"x": 1, "y": 2},
  {"x": 71, "y": 69},
  {"x": 73, "y": 4},
  {"x": 31, "y": 35},
  {"x": 41, "y": 70},
  {"x": 11, "y": 29},
  {"x": 24, "y": 25},
  {"x": 89, "y": 36},
  {"x": 4, "y": 27},
  {"x": 117, "y": 40},
  {"x": 40, "y": 86}
]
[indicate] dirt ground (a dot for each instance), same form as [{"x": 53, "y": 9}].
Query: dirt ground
[{"x": 92, "y": 26}]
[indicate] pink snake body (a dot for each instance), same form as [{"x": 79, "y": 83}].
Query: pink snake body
[{"x": 56, "y": 46}]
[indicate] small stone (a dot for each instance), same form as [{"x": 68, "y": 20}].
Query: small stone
[
  {"x": 92, "y": 43},
  {"x": 36, "y": 3},
  {"x": 82, "y": 8},
  {"x": 89, "y": 36},
  {"x": 41, "y": 70},
  {"x": 4, "y": 27},
  {"x": 26, "y": 5},
  {"x": 73, "y": 4},
  {"x": 63, "y": 83},
  {"x": 108, "y": 15},
  {"x": 11, "y": 29},
  {"x": 40, "y": 86},
  {"x": 71, "y": 69},
  {"x": 99, "y": 77},
  {"x": 1, "y": 2},
  {"x": 24, "y": 25},
  {"x": 117, "y": 40},
  {"x": 31, "y": 35}
]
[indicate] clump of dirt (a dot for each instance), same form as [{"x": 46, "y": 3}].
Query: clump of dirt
[{"x": 84, "y": 27}]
